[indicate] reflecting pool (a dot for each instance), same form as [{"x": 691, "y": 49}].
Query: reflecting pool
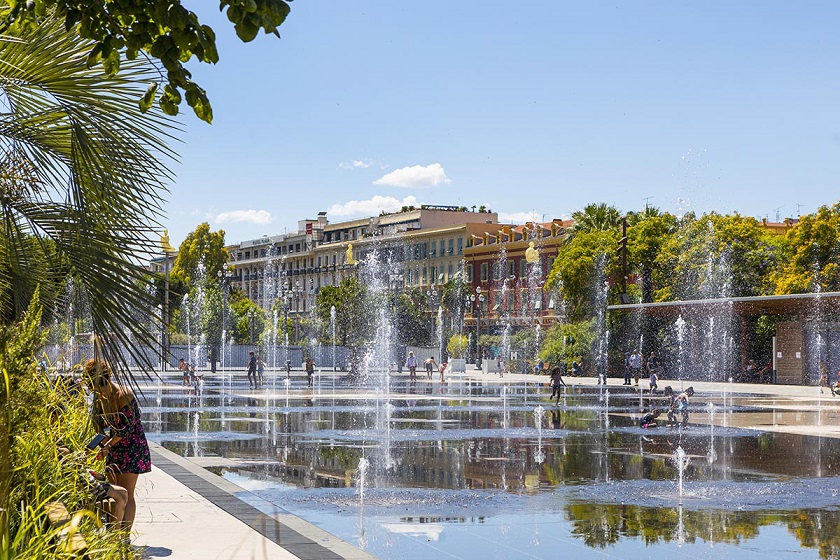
[{"x": 480, "y": 468}]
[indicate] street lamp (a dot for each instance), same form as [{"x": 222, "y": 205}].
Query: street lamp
[
  {"x": 167, "y": 249},
  {"x": 395, "y": 280},
  {"x": 290, "y": 292},
  {"x": 432, "y": 295},
  {"x": 251, "y": 324},
  {"x": 477, "y": 299}
]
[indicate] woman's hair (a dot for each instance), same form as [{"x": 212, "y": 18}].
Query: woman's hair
[{"x": 106, "y": 395}]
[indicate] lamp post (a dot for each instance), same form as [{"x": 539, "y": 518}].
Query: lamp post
[
  {"x": 432, "y": 295},
  {"x": 395, "y": 280},
  {"x": 477, "y": 299},
  {"x": 251, "y": 324},
  {"x": 167, "y": 249}
]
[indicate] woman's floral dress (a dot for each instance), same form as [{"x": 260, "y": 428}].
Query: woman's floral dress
[{"x": 131, "y": 453}]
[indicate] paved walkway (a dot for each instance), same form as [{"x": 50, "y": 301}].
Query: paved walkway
[{"x": 186, "y": 512}]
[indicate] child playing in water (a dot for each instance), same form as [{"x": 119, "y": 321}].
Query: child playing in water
[
  {"x": 681, "y": 404},
  {"x": 653, "y": 380},
  {"x": 649, "y": 419},
  {"x": 556, "y": 382},
  {"x": 672, "y": 397}
]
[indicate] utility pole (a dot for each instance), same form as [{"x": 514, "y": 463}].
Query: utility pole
[{"x": 623, "y": 298}]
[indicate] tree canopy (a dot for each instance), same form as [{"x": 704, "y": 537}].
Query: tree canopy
[
  {"x": 163, "y": 30},
  {"x": 202, "y": 253},
  {"x": 812, "y": 254}
]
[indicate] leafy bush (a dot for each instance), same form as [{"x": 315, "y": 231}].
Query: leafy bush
[
  {"x": 457, "y": 346},
  {"x": 38, "y": 417}
]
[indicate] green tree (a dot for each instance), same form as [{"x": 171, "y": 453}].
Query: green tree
[
  {"x": 811, "y": 252},
  {"x": 412, "y": 318},
  {"x": 352, "y": 317},
  {"x": 457, "y": 346},
  {"x": 247, "y": 316},
  {"x": 201, "y": 256},
  {"x": 647, "y": 233},
  {"x": 595, "y": 217},
  {"x": 581, "y": 268},
  {"x": 566, "y": 341},
  {"x": 163, "y": 30},
  {"x": 715, "y": 256}
]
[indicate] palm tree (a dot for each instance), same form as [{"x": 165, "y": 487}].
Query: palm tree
[
  {"x": 82, "y": 182},
  {"x": 595, "y": 217}
]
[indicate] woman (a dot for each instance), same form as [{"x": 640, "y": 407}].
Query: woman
[{"x": 127, "y": 452}]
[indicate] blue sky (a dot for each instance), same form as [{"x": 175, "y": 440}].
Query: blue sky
[{"x": 532, "y": 109}]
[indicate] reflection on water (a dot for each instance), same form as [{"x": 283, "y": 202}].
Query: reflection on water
[{"x": 456, "y": 470}]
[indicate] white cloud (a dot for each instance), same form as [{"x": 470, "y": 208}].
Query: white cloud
[
  {"x": 415, "y": 177},
  {"x": 519, "y": 217},
  {"x": 355, "y": 164},
  {"x": 246, "y": 216},
  {"x": 371, "y": 207}
]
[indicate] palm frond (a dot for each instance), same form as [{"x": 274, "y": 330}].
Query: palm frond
[{"x": 102, "y": 170}]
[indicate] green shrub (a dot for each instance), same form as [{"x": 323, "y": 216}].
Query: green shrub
[{"x": 37, "y": 417}]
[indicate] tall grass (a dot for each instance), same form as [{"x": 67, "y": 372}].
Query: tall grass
[{"x": 38, "y": 416}]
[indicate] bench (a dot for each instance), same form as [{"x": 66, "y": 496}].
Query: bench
[
  {"x": 105, "y": 509},
  {"x": 69, "y": 539}
]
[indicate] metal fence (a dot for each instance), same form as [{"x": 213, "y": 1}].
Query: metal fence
[{"x": 232, "y": 356}]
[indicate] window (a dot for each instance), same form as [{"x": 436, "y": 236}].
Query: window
[
  {"x": 424, "y": 275},
  {"x": 470, "y": 274},
  {"x": 497, "y": 271},
  {"x": 433, "y": 274},
  {"x": 297, "y": 247},
  {"x": 450, "y": 272},
  {"x": 433, "y": 250},
  {"x": 451, "y": 246},
  {"x": 247, "y": 254},
  {"x": 511, "y": 268},
  {"x": 460, "y": 245},
  {"x": 484, "y": 272},
  {"x": 424, "y": 248},
  {"x": 523, "y": 268}
]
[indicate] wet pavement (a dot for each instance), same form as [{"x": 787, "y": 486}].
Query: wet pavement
[{"x": 487, "y": 466}]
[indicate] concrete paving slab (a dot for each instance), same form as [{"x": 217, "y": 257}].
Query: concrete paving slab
[
  {"x": 187, "y": 526},
  {"x": 185, "y": 512}
]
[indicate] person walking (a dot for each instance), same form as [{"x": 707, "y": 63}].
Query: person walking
[
  {"x": 628, "y": 369},
  {"x": 309, "y": 366},
  {"x": 431, "y": 365},
  {"x": 252, "y": 370},
  {"x": 184, "y": 367},
  {"x": 653, "y": 363},
  {"x": 260, "y": 370},
  {"x": 126, "y": 452},
  {"x": 411, "y": 364},
  {"x": 653, "y": 380},
  {"x": 556, "y": 383},
  {"x": 636, "y": 366}
]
